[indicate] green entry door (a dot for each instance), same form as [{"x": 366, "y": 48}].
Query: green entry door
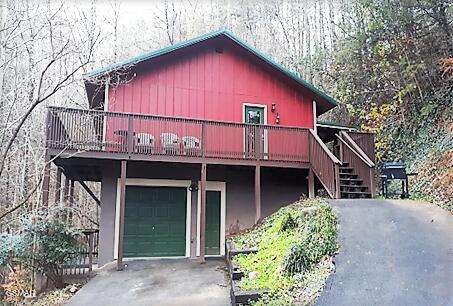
[
  {"x": 212, "y": 223},
  {"x": 253, "y": 115},
  {"x": 155, "y": 222}
]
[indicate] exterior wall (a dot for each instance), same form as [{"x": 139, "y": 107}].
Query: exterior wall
[
  {"x": 206, "y": 84},
  {"x": 279, "y": 187}
]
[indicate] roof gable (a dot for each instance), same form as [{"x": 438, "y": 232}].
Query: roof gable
[{"x": 325, "y": 102}]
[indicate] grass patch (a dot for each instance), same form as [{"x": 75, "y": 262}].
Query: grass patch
[{"x": 294, "y": 245}]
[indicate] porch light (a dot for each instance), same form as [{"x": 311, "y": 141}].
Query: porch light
[
  {"x": 193, "y": 187},
  {"x": 273, "y": 107},
  {"x": 277, "y": 119}
]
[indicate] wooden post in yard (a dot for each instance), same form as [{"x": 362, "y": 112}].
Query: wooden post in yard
[
  {"x": 257, "y": 193},
  {"x": 311, "y": 183},
  {"x": 203, "y": 214},
  {"x": 119, "y": 266}
]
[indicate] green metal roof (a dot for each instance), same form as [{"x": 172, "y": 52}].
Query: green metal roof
[{"x": 149, "y": 55}]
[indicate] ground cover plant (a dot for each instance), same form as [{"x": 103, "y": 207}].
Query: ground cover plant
[{"x": 293, "y": 261}]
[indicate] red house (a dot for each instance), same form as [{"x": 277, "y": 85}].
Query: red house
[{"x": 200, "y": 140}]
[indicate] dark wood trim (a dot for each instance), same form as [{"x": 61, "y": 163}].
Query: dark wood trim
[
  {"x": 311, "y": 184},
  {"x": 90, "y": 192},
  {"x": 58, "y": 186},
  {"x": 66, "y": 190},
  {"x": 257, "y": 193},
  {"x": 120, "y": 266},
  {"x": 46, "y": 182},
  {"x": 177, "y": 159},
  {"x": 203, "y": 213}
]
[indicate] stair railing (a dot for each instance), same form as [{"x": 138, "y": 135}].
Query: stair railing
[
  {"x": 325, "y": 165},
  {"x": 352, "y": 154}
]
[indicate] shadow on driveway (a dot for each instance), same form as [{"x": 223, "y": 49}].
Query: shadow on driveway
[{"x": 158, "y": 282}]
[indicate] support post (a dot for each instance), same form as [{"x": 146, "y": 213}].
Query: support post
[
  {"x": 257, "y": 193},
  {"x": 119, "y": 266},
  {"x": 203, "y": 214},
  {"x": 337, "y": 192},
  {"x": 71, "y": 199},
  {"x": 373, "y": 184},
  {"x": 311, "y": 184},
  {"x": 58, "y": 187},
  {"x": 46, "y": 183}
]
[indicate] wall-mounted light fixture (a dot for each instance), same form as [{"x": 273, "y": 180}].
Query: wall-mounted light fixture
[
  {"x": 193, "y": 187},
  {"x": 277, "y": 119},
  {"x": 273, "y": 107}
]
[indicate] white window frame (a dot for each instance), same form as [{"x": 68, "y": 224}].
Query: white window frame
[
  {"x": 264, "y": 106},
  {"x": 213, "y": 186},
  {"x": 153, "y": 183}
]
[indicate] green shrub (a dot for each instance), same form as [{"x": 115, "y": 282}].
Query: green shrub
[
  {"x": 319, "y": 239},
  {"x": 44, "y": 246},
  {"x": 279, "y": 240}
]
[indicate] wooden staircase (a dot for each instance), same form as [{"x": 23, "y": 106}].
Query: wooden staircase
[{"x": 351, "y": 187}]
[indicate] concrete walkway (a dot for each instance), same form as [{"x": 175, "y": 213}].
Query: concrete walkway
[
  {"x": 392, "y": 253},
  {"x": 158, "y": 282}
]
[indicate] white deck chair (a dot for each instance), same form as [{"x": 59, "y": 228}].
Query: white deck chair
[
  {"x": 170, "y": 143},
  {"x": 191, "y": 145},
  {"x": 145, "y": 143}
]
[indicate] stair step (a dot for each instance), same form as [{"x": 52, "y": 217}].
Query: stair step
[
  {"x": 348, "y": 175},
  {"x": 346, "y": 168},
  {"x": 350, "y": 179},
  {"x": 353, "y": 188},
  {"x": 355, "y": 194}
]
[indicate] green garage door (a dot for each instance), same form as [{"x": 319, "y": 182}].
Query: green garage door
[{"x": 155, "y": 221}]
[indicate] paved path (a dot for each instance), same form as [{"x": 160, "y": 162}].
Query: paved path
[
  {"x": 158, "y": 282},
  {"x": 391, "y": 253}
]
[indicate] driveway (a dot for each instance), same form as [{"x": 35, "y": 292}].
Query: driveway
[
  {"x": 391, "y": 253},
  {"x": 158, "y": 282}
]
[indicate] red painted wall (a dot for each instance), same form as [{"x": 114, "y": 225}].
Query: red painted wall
[{"x": 205, "y": 84}]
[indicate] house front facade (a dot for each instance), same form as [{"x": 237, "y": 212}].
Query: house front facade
[{"x": 199, "y": 141}]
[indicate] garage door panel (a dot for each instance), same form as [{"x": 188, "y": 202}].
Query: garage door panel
[{"x": 155, "y": 221}]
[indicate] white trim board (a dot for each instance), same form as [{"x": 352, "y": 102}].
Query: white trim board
[
  {"x": 153, "y": 183},
  {"x": 213, "y": 186}
]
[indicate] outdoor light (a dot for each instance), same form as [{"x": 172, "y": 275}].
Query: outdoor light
[
  {"x": 273, "y": 107},
  {"x": 193, "y": 187},
  {"x": 277, "y": 119}
]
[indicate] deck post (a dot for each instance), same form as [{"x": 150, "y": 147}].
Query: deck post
[
  {"x": 119, "y": 262},
  {"x": 311, "y": 183},
  {"x": 337, "y": 193},
  {"x": 372, "y": 182},
  {"x": 46, "y": 183},
  {"x": 257, "y": 193},
  {"x": 71, "y": 199},
  {"x": 203, "y": 213},
  {"x": 58, "y": 187}
]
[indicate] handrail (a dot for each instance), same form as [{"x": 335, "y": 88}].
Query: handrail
[
  {"x": 177, "y": 119},
  {"x": 325, "y": 148},
  {"x": 357, "y": 149},
  {"x": 367, "y": 161}
]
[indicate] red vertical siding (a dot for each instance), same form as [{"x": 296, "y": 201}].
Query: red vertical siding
[{"x": 211, "y": 85}]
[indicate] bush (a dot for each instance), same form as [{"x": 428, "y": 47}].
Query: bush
[
  {"x": 319, "y": 239},
  {"x": 43, "y": 246},
  {"x": 289, "y": 241}
]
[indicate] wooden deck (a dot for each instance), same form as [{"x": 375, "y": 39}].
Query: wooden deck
[{"x": 108, "y": 135}]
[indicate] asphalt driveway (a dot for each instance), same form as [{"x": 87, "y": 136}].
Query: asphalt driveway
[
  {"x": 158, "y": 282},
  {"x": 391, "y": 253}
]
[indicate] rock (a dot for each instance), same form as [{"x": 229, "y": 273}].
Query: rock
[
  {"x": 73, "y": 289},
  {"x": 253, "y": 275}
]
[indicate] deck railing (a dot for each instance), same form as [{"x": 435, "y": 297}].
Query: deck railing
[
  {"x": 325, "y": 165},
  {"x": 354, "y": 154},
  {"x": 98, "y": 131}
]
